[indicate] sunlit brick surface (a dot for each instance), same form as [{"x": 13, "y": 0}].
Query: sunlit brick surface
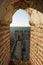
[
  {"x": 36, "y": 45},
  {"x": 4, "y": 45},
  {"x": 35, "y": 9}
]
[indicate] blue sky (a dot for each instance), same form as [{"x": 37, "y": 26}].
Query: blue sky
[{"x": 20, "y": 18}]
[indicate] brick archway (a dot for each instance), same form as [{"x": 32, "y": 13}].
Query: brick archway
[{"x": 7, "y": 8}]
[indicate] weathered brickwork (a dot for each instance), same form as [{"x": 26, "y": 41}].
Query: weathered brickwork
[
  {"x": 4, "y": 45},
  {"x": 36, "y": 45},
  {"x": 35, "y": 9}
]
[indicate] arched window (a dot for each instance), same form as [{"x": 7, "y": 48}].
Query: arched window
[
  {"x": 20, "y": 18},
  {"x": 20, "y": 35}
]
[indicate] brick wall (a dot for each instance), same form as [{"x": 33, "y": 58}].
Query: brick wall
[
  {"x": 36, "y": 45},
  {"x": 4, "y": 45}
]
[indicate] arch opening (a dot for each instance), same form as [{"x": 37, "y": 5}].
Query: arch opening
[
  {"x": 20, "y": 18},
  {"x": 20, "y": 36}
]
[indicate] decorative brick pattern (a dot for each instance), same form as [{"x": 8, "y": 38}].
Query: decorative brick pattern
[
  {"x": 4, "y": 45},
  {"x": 36, "y": 45},
  {"x": 35, "y": 9}
]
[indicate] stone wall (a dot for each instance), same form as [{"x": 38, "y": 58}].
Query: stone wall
[
  {"x": 36, "y": 45},
  {"x": 7, "y": 8},
  {"x": 4, "y": 45}
]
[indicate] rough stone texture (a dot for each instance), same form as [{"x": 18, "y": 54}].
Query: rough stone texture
[
  {"x": 8, "y": 7},
  {"x": 36, "y": 17},
  {"x": 35, "y": 9}
]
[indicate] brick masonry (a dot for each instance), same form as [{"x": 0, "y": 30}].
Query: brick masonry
[
  {"x": 36, "y": 40},
  {"x": 36, "y": 45},
  {"x": 4, "y": 45}
]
